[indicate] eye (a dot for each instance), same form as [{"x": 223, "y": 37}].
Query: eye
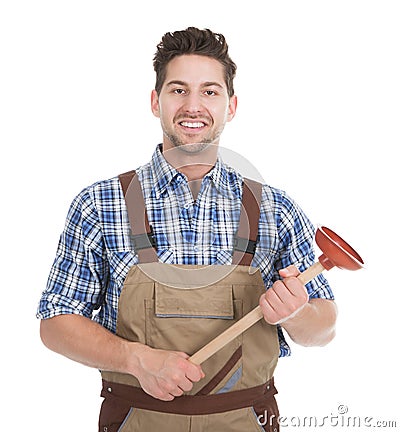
[
  {"x": 179, "y": 91},
  {"x": 210, "y": 92}
]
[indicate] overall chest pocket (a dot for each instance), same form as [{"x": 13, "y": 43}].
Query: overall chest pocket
[{"x": 185, "y": 319}]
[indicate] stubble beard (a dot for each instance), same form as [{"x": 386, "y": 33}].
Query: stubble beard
[
  {"x": 188, "y": 147},
  {"x": 192, "y": 147}
]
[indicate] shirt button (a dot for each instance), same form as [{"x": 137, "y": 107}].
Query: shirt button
[{"x": 109, "y": 389}]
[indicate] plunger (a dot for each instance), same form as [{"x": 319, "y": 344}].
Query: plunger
[{"x": 335, "y": 253}]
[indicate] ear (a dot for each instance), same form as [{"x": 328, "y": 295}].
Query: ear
[
  {"x": 232, "y": 108},
  {"x": 155, "y": 106}
]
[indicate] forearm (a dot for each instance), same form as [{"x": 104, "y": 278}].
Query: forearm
[
  {"x": 87, "y": 342},
  {"x": 314, "y": 324},
  {"x": 162, "y": 374}
]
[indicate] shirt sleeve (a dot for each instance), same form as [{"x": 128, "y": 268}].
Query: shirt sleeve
[
  {"x": 78, "y": 275},
  {"x": 296, "y": 245}
]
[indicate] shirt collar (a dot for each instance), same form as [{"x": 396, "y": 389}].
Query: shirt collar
[
  {"x": 163, "y": 173},
  {"x": 226, "y": 180}
]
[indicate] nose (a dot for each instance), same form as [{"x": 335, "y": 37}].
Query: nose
[{"x": 193, "y": 103}]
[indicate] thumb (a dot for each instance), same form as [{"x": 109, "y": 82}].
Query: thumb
[{"x": 291, "y": 271}]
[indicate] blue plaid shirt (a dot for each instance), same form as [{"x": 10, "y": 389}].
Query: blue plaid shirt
[{"x": 95, "y": 252}]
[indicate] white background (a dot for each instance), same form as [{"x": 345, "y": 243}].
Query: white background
[{"x": 318, "y": 115}]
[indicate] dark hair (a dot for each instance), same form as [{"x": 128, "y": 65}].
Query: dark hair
[{"x": 193, "y": 41}]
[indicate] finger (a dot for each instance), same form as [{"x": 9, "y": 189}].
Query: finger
[
  {"x": 186, "y": 385},
  {"x": 194, "y": 372},
  {"x": 176, "y": 392},
  {"x": 168, "y": 397},
  {"x": 171, "y": 388},
  {"x": 159, "y": 394},
  {"x": 280, "y": 291},
  {"x": 296, "y": 288},
  {"x": 281, "y": 300},
  {"x": 291, "y": 271},
  {"x": 292, "y": 293},
  {"x": 270, "y": 300},
  {"x": 268, "y": 311}
]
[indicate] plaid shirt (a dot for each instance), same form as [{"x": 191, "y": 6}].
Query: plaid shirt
[{"x": 95, "y": 252}]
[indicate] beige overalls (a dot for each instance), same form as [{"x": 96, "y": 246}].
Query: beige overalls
[{"x": 181, "y": 308}]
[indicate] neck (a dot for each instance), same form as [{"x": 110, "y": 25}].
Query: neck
[{"x": 194, "y": 165}]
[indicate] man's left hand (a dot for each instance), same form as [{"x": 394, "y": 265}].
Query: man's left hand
[{"x": 285, "y": 298}]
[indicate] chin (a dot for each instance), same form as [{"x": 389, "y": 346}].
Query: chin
[{"x": 193, "y": 147}]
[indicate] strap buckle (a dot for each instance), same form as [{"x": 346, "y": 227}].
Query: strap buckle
[
  {"x": 144, "y": 241},
  {"x": 245, "y": 245}
]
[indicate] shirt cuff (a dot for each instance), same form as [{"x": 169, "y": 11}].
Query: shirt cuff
[{"x": 52, "y": 305}]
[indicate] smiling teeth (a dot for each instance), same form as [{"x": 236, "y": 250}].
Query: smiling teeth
[{"x": 192, "y": 125}]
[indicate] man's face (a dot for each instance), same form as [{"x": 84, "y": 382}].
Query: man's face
[{"x": 193, "y": 105}]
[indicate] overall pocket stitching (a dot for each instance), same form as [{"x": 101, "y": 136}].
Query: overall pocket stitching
[{"x": 125, "y": 420}]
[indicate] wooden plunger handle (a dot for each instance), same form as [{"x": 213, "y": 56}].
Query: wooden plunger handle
[{"x": 247, "y": 321}]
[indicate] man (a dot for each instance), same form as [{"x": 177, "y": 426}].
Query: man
[{"x": 174, "y": 253}]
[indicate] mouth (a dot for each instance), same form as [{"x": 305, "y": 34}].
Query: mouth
[{"x": 192, "y": 126}]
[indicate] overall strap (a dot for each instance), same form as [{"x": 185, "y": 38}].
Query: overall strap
[
  {"x": 142, "y": 235},
  {"x": 245, "y": 241}
]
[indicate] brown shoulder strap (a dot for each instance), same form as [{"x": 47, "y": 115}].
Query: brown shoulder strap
[
  {"x": 125, "y": 180},
  {"x": 141, "y": 232},
  {"x": 143, "y": 237},
  {"x": 245, "y": 241}
]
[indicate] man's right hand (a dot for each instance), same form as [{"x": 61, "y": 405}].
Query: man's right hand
[{"x": 165, "y": 374}]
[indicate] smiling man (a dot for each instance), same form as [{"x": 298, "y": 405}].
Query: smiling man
[
  {"x": 192, "y": 110},
  {"x": 194, "y": 103},
  {"x": 175, "y": 252}
]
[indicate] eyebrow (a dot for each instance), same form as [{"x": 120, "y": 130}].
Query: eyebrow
[{"x": 205, "y": 84}]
